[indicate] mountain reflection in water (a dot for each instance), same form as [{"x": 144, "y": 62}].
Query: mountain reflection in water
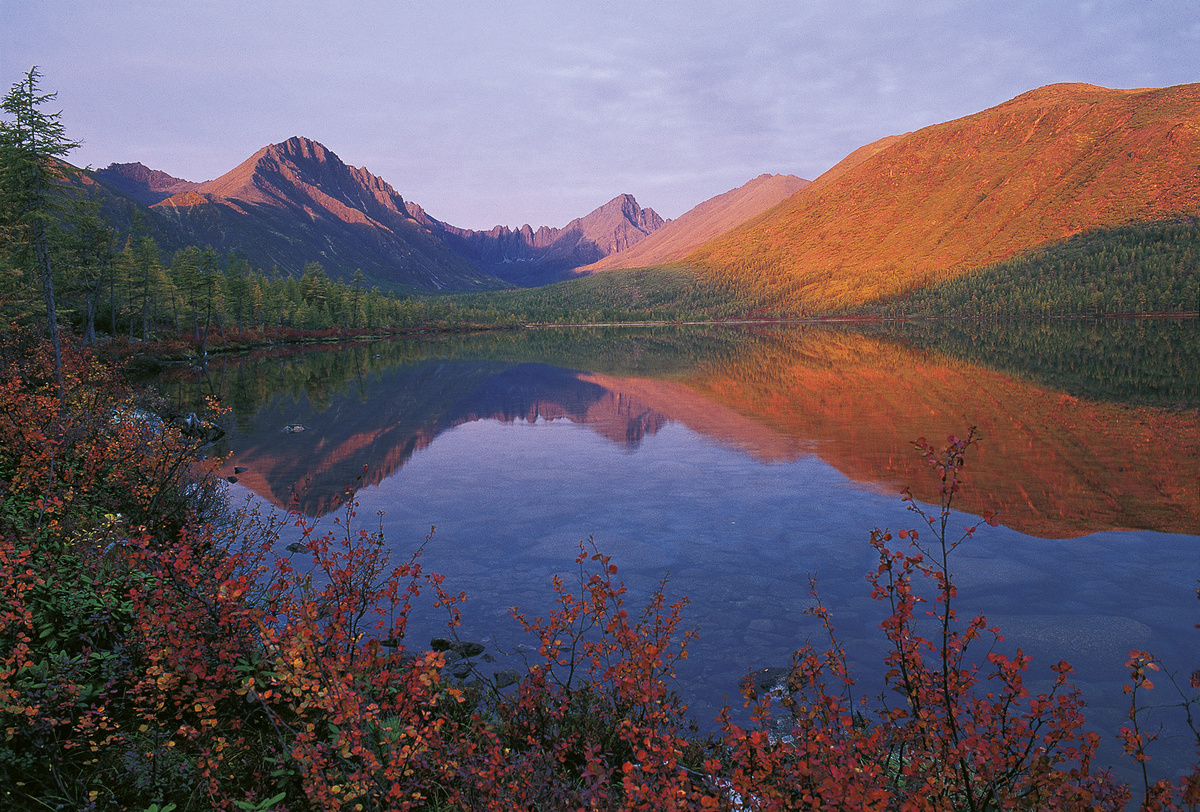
[
  {"x": 1054, "y": 465},
  {"x": 741, "y": 461}
]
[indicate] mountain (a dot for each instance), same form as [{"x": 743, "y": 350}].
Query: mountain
[
  {"x": 529, "y": 258},
  {"x": 296, "y": 202},
  {"x": 920, "y": 208},
  {"x": 698, "y": 225},
  {"x": 147, "y": 186}
]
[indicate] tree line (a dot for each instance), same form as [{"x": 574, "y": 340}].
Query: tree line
[{"x": 121, "y": 284}]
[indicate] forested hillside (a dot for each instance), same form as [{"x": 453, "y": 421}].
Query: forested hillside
[
  {"x": 1130, "y": 270},
  {"x": 132, "y": 290}
]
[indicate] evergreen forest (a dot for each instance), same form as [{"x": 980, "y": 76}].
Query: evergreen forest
[{"x": 1133, "y": 270}]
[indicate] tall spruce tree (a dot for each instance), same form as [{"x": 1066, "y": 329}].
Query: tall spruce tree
[{"x": 32, "y": 199}]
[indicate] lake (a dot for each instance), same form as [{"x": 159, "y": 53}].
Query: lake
[{"x": 738, "y": 461}]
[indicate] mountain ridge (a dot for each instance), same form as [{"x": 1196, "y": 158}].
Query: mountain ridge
[
  {"x": 295, "y": 202},
  {"x": 527, "y": 257},
  {"x": 904, "y": 212},
  {"x": 147, "y": 186}
]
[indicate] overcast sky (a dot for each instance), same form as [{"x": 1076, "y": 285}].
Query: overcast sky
[{"x": 491, "y": 112}]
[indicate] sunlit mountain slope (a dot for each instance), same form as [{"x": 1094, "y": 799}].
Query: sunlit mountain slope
[{"x": 917, "y": 209}]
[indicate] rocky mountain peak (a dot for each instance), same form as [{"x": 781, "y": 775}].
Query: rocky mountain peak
[
  {"x": 624, "y": 207},
  {"x": 304, "y": 175},
  {"x": 152, "y": 178},
  {"x": 147, "y": 186},
  {"x": 530, "y": 257},
  {"x": 298, "y": 147},
  {"x": 615, "y": 226}
]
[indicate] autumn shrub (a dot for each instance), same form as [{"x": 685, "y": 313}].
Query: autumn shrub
[
  {"x": 595, "y": 722},
  {"x": 955, "y": 727},
  {"x": 150, "y": 658},
  {"x": 87, "y": 475},
  {"x": 289, "y": 675},
  {"x": 1138, "y": 739}
]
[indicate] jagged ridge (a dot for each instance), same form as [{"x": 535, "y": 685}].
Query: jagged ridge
[
  {"x": 147, "y": 186},
  {"x": 527, "y": 257},
  {"x": 296, "y": 202}
]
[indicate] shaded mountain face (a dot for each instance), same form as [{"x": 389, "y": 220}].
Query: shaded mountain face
[
  {"x": 529, "y": 258},
  {"x": 702, "y": 223},
  {"x": 296, "y": 202},
  {"x": 921, "y": 208},
  {"x": 121, "y": 200},
  {"x": 147, "y": 186}
]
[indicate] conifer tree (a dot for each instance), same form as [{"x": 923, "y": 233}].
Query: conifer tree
[
  {"x": 32, "y": 198},
  {"x": 91, "y": 248}
]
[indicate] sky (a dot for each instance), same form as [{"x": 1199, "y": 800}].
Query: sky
[{"x": 505, "y": 112}]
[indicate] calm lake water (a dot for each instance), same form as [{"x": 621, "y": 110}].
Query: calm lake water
[{"x": 739, "y": 461}]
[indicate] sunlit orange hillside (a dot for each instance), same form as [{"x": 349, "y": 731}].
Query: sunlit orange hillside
[{"x": 920, "y": 208}]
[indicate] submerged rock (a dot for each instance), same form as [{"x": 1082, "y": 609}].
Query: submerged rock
[
  {"x": 770, "y": 680},
  {"x": 469, "y": 649},
  {"x": 460, "y": 647},
  {"x": 505, "y": 677},
  {"x": 198, "y": 428},
  {"x": 459, "y": 670}
]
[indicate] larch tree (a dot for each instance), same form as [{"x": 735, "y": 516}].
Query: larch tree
[
  {"x": 91, "y": 247},
  {"x": 33, "y": 144}
]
